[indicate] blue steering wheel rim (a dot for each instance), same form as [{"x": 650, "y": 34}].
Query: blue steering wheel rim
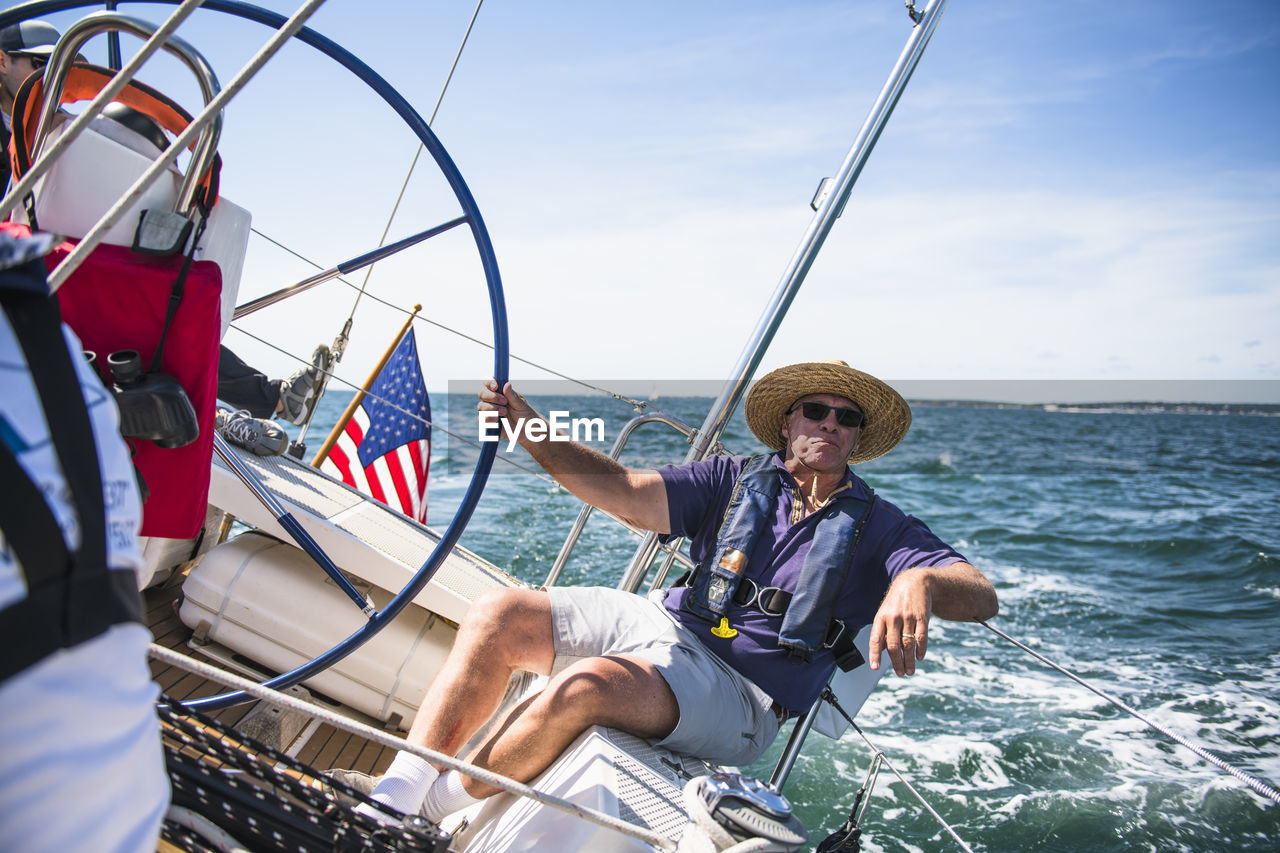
[{"x": 449, "y": 538}]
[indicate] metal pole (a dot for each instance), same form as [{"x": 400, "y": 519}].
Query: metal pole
[
  {"x": 583, "y": 514},
  {"x": 59, "y": 63},
  {"x": 113, "y": 41},
  {"x": 828, "y": 210},
  {"x": 782, "y": 770},
  {"x": 212, "y": 112}
]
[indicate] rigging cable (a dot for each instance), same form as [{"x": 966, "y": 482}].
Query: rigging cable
[
  {"x": 638, "y": 405},
  {"x": 395, "y": 208},
  {"x": 330, "y": 375},
  {"x": 1252, "y": 781},
  {"x": 879, "y": 758},
  {"x": 360, "y": 289},
  {"x": 408, "y": 414}
]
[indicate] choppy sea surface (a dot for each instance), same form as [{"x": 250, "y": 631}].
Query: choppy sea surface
[{"x": 1140, "y": 551}]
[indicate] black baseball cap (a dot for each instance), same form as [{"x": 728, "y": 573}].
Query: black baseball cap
[{"x": 32, "y": 38}]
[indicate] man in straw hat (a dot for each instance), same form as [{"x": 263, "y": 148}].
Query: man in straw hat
[{"x": 795, "y": 554}]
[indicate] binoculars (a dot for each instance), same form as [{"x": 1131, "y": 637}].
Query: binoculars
[{"x": 152, "y": 404}]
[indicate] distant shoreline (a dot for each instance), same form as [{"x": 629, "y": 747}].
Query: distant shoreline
[
  {"x": 1147, "y": 407},
  {"x": 1126, "y": 408}
]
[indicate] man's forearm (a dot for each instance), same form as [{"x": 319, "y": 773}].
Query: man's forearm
[
  {"x": 602, "y": 481},
  {"x": 638, "y": 496},
  {"x": 960, "y": 592},
  {"x": 580, "y": 469}
]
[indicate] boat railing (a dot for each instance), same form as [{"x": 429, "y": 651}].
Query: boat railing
[
  {"x": 571, "y": 540},
  {"x": 55, "y": 74},
  {"x": 86, "y": 28},
  {"x": 212, "y": 112}
]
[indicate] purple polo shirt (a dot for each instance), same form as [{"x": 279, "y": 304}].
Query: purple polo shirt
[{"x": 892, "y": 541}]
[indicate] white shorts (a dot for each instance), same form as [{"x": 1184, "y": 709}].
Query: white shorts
[{"x": 724, "y": 717}]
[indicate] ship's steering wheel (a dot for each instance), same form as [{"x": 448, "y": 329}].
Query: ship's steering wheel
[{"x": 489, "y": 263}]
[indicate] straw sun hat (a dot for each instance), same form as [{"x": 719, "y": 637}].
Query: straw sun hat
[{"x": 888, "y": 415}]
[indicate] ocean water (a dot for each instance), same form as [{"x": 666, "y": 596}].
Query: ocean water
[{"x": 1140, "y": 551}]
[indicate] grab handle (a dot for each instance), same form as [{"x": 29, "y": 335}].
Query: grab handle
[{"x": 62, "y": 83}]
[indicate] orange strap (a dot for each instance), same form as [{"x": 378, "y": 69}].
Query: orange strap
[{"x": 83, "y": 83}]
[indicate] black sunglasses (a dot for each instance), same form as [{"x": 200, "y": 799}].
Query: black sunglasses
[{"x": 818, "y": 412}]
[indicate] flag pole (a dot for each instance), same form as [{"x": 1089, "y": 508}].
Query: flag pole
[{"x": 359, "y": 397}]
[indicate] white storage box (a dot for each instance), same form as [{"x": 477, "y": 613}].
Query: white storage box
[{"x": 96, "y": 171}]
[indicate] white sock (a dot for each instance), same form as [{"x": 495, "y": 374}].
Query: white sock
[
  {"x": 403, "y": 786},
  {"x": 446, "y": 797}
]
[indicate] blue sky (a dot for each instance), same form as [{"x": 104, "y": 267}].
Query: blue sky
[{"x": 1068, "y": 190}]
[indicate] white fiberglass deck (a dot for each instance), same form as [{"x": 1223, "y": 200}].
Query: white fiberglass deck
[{"x": 363, "y": 537}]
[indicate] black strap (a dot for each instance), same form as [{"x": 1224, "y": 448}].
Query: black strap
[
  {"x": 72, "y": 596},
  {"x": 6, "y": 164},
  {"x": 178, "y": 289},
  {"x": 20, "y": 162},
  {"x": 29, "y": 526},
  {"x": 773, "y": 602},
  {"x": 846, "y": 839},
  {"x": 37, "y": 324}
]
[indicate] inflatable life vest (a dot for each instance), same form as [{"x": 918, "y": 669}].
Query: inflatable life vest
[
  {"x": 174, "y": 306},
  {"x": 807, "y": 621}
]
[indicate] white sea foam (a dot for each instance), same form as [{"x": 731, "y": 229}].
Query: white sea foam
[
  {"x": 868, "y": 843},
  {"x": 921, "y": 759},
  {"x": 1269, "y": 591},
  {"x": 1019, "y": 584}
]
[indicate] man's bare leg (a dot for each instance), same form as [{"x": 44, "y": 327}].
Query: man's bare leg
[
  {"x": 503, "y": 631},
  {"x": 508, "y": 630},
  {"x": 620, "y": 692}
]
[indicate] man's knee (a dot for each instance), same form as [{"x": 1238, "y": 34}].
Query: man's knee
[
  {"x": 507, "y": 607},
  {"x": 515, "y": 622},
  {"x": 613, "y": 691}
]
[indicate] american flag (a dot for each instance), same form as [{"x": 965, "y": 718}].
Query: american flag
[{"x": 385, "y": 448}]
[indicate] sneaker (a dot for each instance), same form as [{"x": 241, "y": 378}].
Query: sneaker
[
  {"x": 299, "y": 387},
  {"x": 262, "y": 437}
]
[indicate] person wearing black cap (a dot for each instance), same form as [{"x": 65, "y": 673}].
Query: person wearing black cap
[{"x": 24, "y": 49}]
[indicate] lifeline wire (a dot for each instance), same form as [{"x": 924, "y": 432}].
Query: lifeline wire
[
  {"x": 411, "y": 415},
  {"x": 451, "y": 434},
  {"x": 638, "y": 405},
  {"x": 274, "y": 697},
  {"x": 1252, "y": 781},
  {"x": 879, "y": 755}
]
